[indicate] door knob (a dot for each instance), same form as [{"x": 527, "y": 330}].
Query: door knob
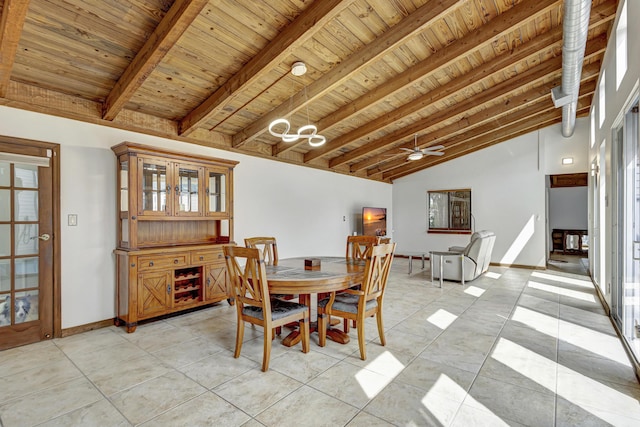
[{"x": 44, "y": 237}]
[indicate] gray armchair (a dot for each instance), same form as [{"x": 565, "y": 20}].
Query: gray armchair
[{"x": 464, "y": 263}]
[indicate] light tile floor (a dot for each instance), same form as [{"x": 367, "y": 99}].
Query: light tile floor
[{"x": 515, "y": 347}]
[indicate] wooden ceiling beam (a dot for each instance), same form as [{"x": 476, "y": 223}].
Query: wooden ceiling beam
[
  {"x": 176, "y": 21},
  {"x": 514, "y": 103},
  {"x": 473, "y": 143},
  {"x": 398, "y": 34},
  {"x": 598, "y": 45},
  {"x": 303, "y": 28},
  {"x": 486, "y": 34},
  {"x": 594, "y": 48},
  {"x": 487, "y": 123},
  {"x": 14, "y": 13}
]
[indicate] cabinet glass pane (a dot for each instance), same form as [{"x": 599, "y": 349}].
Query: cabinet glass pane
[
  {"x": 26, "y": 273},
  {"x": 26, "y": 205},
  {"x": 188, "y": 184},
  {"x": 124, "y": 186},
  {"x": 26, "y": 306},
  {"x": 5, "y": 275},
  {"x": 154, "y": 187},
  {"x": 26, "y": 176},
  {"x": 5, "y": 205},
  {"x": 5, "y": 239},
  {"x": 217, "y": 189},
  {"x": 125, "y": 230},
  {"x": 26, "y": 239}
]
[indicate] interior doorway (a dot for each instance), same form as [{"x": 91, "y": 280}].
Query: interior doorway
[{"x": 29, "y": 242}]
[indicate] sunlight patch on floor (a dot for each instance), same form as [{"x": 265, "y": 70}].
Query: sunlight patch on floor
[
  {"x": 598, "y": 343},
  {"x": 378, "y": 373},
  {"x": 474, "y": 290},
  {"x": 584, "y": 392},
  {"x": 563, "y": 279},
  {"x": 492, "y": 275},
  {"x": 442, "y": 319},
  {"x": 589, "y": 297},
  {"x": 445, "y": 386}
]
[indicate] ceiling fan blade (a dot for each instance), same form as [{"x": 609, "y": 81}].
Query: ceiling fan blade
[
  {"x": 435, "y": 147},
  {"x": 410, "y": 150},
  {"x": 434, "y": 153}
]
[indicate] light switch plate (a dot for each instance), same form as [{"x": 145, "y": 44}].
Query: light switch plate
[{"x": 72, "y": 220}]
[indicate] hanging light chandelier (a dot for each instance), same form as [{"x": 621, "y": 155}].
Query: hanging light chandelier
[{"x": 281, "y": 127}]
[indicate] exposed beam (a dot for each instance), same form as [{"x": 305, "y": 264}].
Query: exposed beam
[
  {"x": 391, "y": 39},
  {"x": 597, "y": 45},
  {"x": 459, "y": 48},
  {"x": 515, "y": 102},
  {"x": 473, "y": 143},
  {"x": 176, "y": 21},
  {"x": 14, "y": 13},
  {"x": 298, "y": 32}
]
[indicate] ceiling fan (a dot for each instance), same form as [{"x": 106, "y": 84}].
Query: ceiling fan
[{"x": 416, "y": 153}]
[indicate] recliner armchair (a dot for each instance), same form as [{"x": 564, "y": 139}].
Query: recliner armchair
[{"x": 473, "y": 259}]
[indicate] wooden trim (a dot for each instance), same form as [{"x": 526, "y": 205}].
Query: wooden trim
[
  {"x": 448, "y": 231},
  {"x": 87, "y": 327},
  {"x": 569, "y": 180},
  {"x": 527, "y": 267},
  {"x": 14, "y": 13}
]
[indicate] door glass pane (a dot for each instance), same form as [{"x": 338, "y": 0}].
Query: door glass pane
[
  {"x": 217, "y": 189},
  {"x": 5, "y": 313},
  {"x": 188, "y": 184},
  {"x": 5, "y": 205},
  {"x": 5, "y": 275},
  {"x": 26, "y": 239},
  {"x": 26, "y": 176},
  {"x": 26, "y": 306},
  {"x": 26, "y": 205},
  {"x": 26, "y": 273},
  {"x": 154, "y": 187},
  {"x": 5, "y": 239},
  {"x": 5, "y": 177}
]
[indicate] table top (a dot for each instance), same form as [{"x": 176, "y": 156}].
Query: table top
[{"x": 334, "y": 274}]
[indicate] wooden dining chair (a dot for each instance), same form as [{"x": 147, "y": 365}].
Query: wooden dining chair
[
  {"x": 358, "y": 246},
  {"x": 358, "y": 304},
  {"x": 357, "y": 249},
  {"x": 246, "y": 269},
  {"x": 267, "y": 246}
]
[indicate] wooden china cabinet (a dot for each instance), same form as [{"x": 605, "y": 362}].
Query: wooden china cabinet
[{"x": 175, "y": 212}]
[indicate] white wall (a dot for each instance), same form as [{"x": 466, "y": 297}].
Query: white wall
[
  {"x": 302, "y": 207},
  {"x": 507, "y": 184}
]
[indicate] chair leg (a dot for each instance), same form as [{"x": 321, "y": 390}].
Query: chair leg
[
  {"x": 322, "y": 327},
  {"x": 361, "y": 340},
  {"x": 383, "y": 341},
  {"x": 304, "y": 328},
  {"x": 345, "y": 325},
  {"x": 239, "y": 338},
  {"x": 266, "y": 354}
]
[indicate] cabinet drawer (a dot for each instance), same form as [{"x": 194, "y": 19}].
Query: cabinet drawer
[
  {"x": 153, "y": 262},
  {"x": 207, "y": 256}
]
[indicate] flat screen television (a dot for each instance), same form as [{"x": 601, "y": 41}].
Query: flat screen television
[{"x": 374, "y": 221}]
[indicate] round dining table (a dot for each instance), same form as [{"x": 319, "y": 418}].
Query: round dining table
[{"x": 329, "y": 274}]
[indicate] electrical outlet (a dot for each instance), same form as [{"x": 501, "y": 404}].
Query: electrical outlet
[{"x": 72, "y": 220}]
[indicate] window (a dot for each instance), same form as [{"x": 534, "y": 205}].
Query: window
[{"x": 449, "y": 211}]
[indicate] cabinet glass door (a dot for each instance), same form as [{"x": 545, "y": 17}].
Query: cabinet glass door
[
  {"x": 155, "y": 186},
  {"x": 187, "y": 189},
  {"x": 217, "y": 183}
]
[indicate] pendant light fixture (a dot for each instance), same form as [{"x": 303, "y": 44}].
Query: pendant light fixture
[{"x": 280, "y": 127}]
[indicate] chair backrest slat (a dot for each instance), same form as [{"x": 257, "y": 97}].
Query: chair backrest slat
[
  {"x": 358, "y": 247},
  {"x": 377, "y": 270},
  {"x": 267, "y": 246},
  {"x": 248, "y": 280}
]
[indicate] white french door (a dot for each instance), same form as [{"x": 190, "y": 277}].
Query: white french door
[{"x": 626, "y": 262}]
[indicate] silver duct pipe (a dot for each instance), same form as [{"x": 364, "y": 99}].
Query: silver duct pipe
[{"x": 574, "y": 41}]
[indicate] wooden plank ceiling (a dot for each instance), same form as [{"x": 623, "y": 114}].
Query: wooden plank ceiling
[{"x": 465, "y": 74}]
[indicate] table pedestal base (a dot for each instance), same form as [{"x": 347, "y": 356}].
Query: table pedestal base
[{"x": 333, "y": 334}]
